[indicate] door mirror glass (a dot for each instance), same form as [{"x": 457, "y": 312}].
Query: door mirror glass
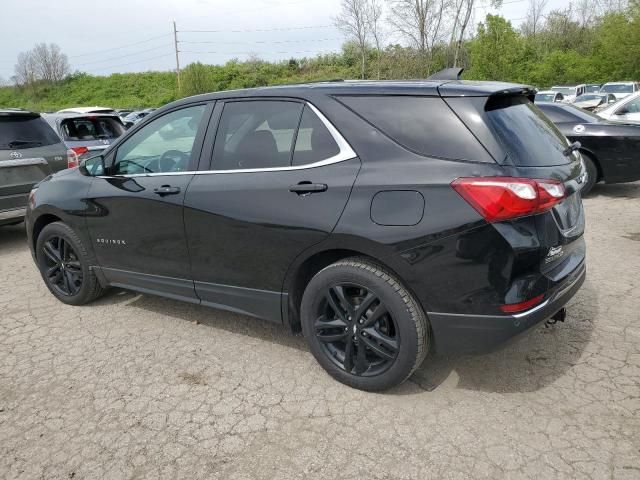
[{"x": 92, "y": 167}]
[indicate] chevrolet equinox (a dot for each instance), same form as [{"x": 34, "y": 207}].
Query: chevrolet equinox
[{"x": 382, "y": 219}]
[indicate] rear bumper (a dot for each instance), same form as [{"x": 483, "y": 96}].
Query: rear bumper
[{"x": 464, "y": 333}]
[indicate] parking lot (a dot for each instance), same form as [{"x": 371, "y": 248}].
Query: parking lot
[{"x": 135, "y": 386}]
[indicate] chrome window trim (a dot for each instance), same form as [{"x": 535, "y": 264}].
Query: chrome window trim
[{"x": 345, "y": 153}]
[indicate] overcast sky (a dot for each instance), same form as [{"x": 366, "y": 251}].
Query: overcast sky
[{"x": 101, "y": 37}]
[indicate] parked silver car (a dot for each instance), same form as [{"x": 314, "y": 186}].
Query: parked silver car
[
  {"x": 29, "y": 151},
  {"x": 626, "y": 110},
  {"x": 86, "y": 135},
  {"x": 594, "y": 101}
]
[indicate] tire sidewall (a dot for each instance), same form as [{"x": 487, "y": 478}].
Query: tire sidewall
[
  {"x": 394, "y": 302},
  {"x": 592, "y": 175},
  {"x": 63, "y": 231}
]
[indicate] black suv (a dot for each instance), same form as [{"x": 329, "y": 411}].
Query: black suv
[
  {"x": 383, "y": 219},
  {"x": 29, "y": 151}
]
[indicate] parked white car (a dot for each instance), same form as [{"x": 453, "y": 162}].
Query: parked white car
[
  {"x": 570, "y": 92},
  {"x": 626, "y": 110},
  {"x": 620, "y": 89},
  {"x": 85, "y": 110}
]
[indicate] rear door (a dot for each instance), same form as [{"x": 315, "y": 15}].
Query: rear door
[
  {"x": 279, "y": 179},
  {"x": 29, "y": 151}
]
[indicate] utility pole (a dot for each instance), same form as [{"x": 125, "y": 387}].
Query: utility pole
[{"x": 175, "y": 44}]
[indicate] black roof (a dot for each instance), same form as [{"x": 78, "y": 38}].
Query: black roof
[{"x": 453, "y": 88}]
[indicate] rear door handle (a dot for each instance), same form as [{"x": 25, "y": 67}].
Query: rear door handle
[
  {"x": 305, "y": 188},
  {"x": 166, "y": 190}
]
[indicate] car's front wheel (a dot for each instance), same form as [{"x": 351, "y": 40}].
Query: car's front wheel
[
  {"x": 65, "y": 265},
  {"x": 363, "y": 326}
]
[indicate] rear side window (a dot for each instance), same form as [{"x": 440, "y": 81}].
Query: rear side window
[
  {"x": 25, "y": 132},
  {"x": 78, "y": 129},
  {"x": 528, "y": 136},
  {"x": 314, "y": 143},
  {"x": 256, "y": 134},
  {"x": 424, "y": 125}
]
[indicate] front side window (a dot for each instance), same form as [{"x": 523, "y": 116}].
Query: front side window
[
  {"x": 256, "y": 134},
  {"x": 631, "y": 107},
  {"x": 165, "y": 145}
]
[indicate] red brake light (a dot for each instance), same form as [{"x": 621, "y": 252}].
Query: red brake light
[
  {"x": 504, "y": 198},
  {"x": 518, "y": 307},
  {"x": 73, "y": 155}
]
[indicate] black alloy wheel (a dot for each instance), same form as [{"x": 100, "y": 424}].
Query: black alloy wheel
[
  {"x": 356, "y": 330},
  {"x": 63, "y": 270}
]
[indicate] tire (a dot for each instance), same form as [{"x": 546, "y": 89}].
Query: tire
[
  {"x": 74, "y": 271},
  {"x": 388, "y": 336},
  {"x": 592, "y": 174}
]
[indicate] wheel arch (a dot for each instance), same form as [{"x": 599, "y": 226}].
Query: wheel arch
[
  {"x": 38, "y": 225},
  {"x": 306, "y": 266}
]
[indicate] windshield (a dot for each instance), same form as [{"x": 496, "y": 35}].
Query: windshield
[
  {"x": 545, "y": 97},
  {"x": 565, "y": 90},
  {"x": 617, "y": 88},
  {"x": 91, "y": 128},
  {"x": 592, "y": 88},
  {"x": 23, "y": 131},
  {"x": 528, "y": 136}
]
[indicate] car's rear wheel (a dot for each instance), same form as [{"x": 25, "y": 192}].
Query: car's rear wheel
[
  {"x": 592, "y": 174},
  {"x": 65, "y": 265},
  {"x": 363, "y": 326}
]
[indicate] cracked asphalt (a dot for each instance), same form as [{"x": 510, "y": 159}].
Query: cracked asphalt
[{"x": 136, "y": 386}]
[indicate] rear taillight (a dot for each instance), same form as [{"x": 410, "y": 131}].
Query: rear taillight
[
  {"x": 504, "y": 198},
  {"x": 519, "y": 307},
  {"x": 73, "y": 156}
]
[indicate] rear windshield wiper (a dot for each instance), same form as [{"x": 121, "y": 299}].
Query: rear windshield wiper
[
  {"x": 571, "y": 148},
  {"x": 24, "y": 143}
]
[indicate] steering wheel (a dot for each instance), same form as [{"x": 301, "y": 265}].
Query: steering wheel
[
  {"x": 139, "y": 165},
  {"x": 172, "y": 161}
]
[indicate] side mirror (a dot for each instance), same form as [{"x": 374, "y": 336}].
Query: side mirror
[
  {"x": 93, "y": 167},
  {"x": 612, "y": 100}
]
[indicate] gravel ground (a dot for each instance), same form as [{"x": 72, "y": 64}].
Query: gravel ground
[{"x": 135, "y": 386}]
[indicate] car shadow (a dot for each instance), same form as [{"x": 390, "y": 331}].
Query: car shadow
[
  {"x": 205, "y": 316},
  {"x": 531, "y": 362},
  {"x": 615, "y": 190}
]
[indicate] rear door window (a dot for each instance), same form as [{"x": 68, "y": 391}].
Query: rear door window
[
  {"x": 24, "y": 131},
  {"x": 424, "y": 125},
  {"x": 256, "y": 134},
  {"x": 314, "y": 142}
]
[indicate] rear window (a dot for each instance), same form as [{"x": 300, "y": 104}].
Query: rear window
[
  {"x": 527, "y": 135},
  {"x": 424, "y": 125},
  {"x": 25, "y": 132},
  {"x": 545, "y": 97},
  {"x": 79, "y": 129}
]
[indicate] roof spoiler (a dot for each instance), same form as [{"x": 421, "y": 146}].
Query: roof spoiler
[{"x": 447, "y": 74}]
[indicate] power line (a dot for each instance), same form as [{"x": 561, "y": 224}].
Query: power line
[
  {"x": 131, "y": 63},
  {"x": 260, "y": 41},
  {"x": 254, "y": 52},
  {"x": 124, "y": 56},
  {"x": 120, "y": 47},
  {"x": 280, "y": 29}
]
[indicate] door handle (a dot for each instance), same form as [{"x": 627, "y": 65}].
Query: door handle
[
  {"x": 166, "y": 190},
  {"x": 305, "y": 188}
]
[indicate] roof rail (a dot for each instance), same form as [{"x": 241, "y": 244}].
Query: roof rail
[{"x": 453, "y": 73}]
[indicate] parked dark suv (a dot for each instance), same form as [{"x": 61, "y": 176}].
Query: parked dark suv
[
  {"x": 383, "y": 219},
  {"x": 29, "y": 151}
]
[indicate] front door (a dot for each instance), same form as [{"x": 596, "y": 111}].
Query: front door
[
  {"x": 137, "y": 222},
  {"x": 280, "y": 178}
]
